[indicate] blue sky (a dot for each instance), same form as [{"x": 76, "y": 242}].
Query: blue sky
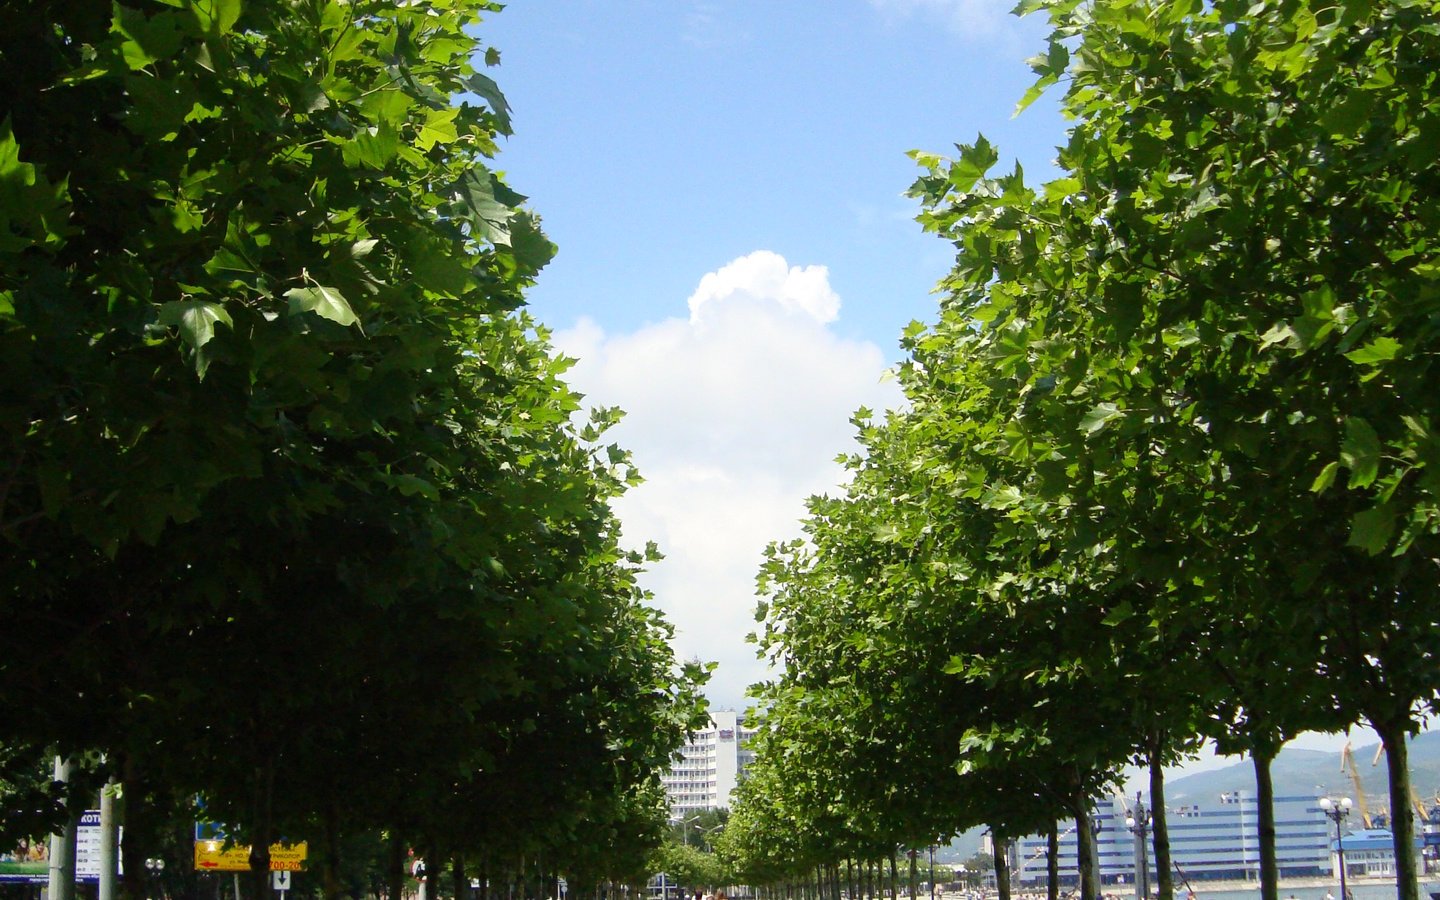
[
  {"x": 725, "y": 182},
  {"x": 660, "y": 139}
]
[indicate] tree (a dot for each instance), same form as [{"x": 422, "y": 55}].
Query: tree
[
  {"x": 285, "y": 470},
  {"x": 1224, "y": 288}
]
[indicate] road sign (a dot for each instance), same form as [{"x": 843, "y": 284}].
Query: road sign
[
  {"x": 280, "y": 879},
  {"x": 214, "y": 856}
]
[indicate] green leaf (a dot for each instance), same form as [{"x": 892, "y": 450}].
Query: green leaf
[
  {"x": 1057, "y": 58},
  {"x": 1377, "y": 351},
  {"x": 1372, "y": 529},
  {"x": 1098, "y": 418},
  {"x": 1349, "y": 116},
  {"x": 438, "y": 128},
  {"x": 1279, "y": 333},
  {"x": 196, "y": 319},
  {"x": 326, "y": 302},
  {"x": 531, "y": 250},
  {"x": 975, "y": 160},
  {"x": 373, "y": 147},
  {"x": 216, "y": 17},
  {"x": 485, "y": 87},
  {"x": 1119, "y": 614},
  {"x": 484, "y": 197},
  {"x": 1360, "y": 452},
  {"x": 33, "y": 210},
  {"x": 148, "y": 39},
  {"x": 414, "y": 485},
  {"x": 434, "y": 267},
  {"x": 1325, "y": 478},
  {"x": 1033, "y": 93},
  {"x": 1061, "y": 187}
]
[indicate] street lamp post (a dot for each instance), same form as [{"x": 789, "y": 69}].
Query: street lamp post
[
  {"x": 1336, "y": 811},
  {"x": 685, "y": 822},
  {"x": 156, "y": 867},
  {"x": 1139, "y": 825},
  {"x": 932, "y": 872}
]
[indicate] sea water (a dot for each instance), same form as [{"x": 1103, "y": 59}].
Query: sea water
[{"x": 1365, "y": 891}]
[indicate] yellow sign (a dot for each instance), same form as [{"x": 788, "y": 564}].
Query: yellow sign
[{"x": 214, "y": 856}]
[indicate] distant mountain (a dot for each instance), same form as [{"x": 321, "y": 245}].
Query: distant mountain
[
  {"x": 1308, "y": 773},
  {"x": 1295, "y": 773}
]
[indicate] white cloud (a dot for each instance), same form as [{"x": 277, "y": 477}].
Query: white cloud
[
  {"x": 707, "y": 28},
  {"x": 763, "y": 277},
  {"x": 968, "y": 18},
  {"x": 735, "y": 415}
]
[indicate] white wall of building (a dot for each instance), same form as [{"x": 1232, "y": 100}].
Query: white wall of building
[{"x": 709, "y": 766}]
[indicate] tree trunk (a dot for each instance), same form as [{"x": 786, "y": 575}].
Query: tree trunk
[
  {"x": 459, "y": 883},
  {"x": 1052, "y": 863},
  {"x": 395, "y": 866},
  {"x": 109, "y": 841},
  {"x": 1160, "y": 829},
  {"x": 914, "y": 876},
  {"x": 1402, "y": 824},
  {"x": 894, "y": 876},
  {"x": 136, "y": 814},
  {"x": 1002, "y": 866},
  {"x": 330, "y": 870},
  {"x": 62, "y": 846},
  {"x": 1085, "y": 848},
  {"x": 261, "y": 829},
  {"x": 1265, "y": 809}
]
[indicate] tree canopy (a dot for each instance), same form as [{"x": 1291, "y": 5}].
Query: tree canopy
[
  {"x": 288, "y": 471},
  {"x": 1170, "y": 434}
]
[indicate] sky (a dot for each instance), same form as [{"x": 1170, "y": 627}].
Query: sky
[{"x": 737, "y": 257}]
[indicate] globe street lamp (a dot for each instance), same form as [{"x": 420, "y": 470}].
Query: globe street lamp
[
  {"x": 1139, "y": 824},
  {"x": 156, "y": 867},
  {"x": 1335, "y": 811}
]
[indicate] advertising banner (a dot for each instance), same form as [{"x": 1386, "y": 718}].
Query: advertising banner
[{"x": 30, "y": 862}]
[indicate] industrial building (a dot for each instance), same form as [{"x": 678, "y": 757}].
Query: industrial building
[{"x": 1213, "y": 839}]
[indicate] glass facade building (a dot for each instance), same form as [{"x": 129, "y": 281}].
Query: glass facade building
[{"x": 1209, "y": 839}]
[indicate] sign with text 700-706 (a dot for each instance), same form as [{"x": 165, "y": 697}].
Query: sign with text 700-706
[{"x": 214, "y": 856}]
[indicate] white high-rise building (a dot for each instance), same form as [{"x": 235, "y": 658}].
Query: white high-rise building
[{"x": 709, "y": 767}]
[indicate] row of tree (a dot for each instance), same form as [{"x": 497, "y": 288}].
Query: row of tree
[
  {"x": 1167, "y": 466},
  {"x": 294, "y": 517}
]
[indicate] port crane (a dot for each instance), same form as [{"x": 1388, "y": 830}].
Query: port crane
[
  {"x": 1415, "y": 802},
  {"x": 1347, "y": 765}
]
